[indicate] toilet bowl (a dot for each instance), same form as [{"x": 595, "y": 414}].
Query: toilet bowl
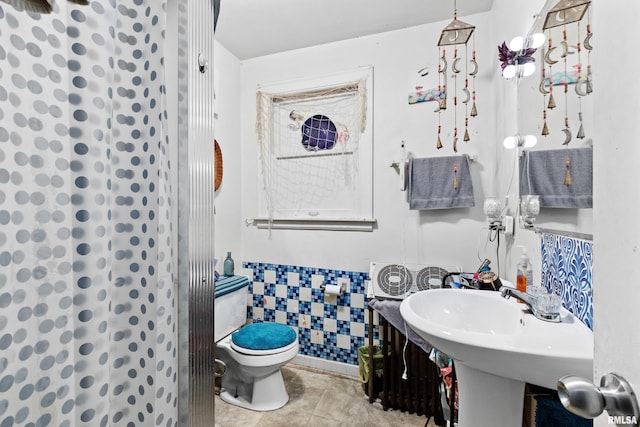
[
  {"x": 253, "y": 379},
  {"x": 253, "y": 354}
]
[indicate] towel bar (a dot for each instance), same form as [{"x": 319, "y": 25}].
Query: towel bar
[{"x": 396, "y": 165}]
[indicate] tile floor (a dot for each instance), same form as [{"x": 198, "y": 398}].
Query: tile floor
[{"x": 318, "y": 399}]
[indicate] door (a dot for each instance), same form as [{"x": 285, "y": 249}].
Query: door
[{"x": 616, "y": 193}]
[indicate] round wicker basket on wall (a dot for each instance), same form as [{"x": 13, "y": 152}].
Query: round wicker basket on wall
[{"x": 217, "y": 169}]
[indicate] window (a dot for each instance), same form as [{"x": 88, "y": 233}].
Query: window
[{"x": 316, "y": 149}]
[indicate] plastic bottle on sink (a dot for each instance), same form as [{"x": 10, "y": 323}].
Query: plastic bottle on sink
[{"x": 524, "y": 275}]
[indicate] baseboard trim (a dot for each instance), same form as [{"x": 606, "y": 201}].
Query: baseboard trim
[{"x": 326, "y": 365}]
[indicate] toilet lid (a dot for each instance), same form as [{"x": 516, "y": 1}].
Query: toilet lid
[{"x": 263, "y": 336}]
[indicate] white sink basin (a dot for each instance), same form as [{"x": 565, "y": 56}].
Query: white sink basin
[{"x": 497, "y": 347}]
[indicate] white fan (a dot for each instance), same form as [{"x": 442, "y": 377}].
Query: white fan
[
  {"x": 395, "y": 281},
  {"x": 431, "y": 277}
]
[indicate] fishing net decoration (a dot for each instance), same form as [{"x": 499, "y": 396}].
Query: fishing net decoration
[
  {"x": 309, "y": 147},
  {"x": 318, "y": 133}
]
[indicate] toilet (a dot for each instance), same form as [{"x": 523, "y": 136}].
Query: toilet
[{"x": 253, "y": 354}]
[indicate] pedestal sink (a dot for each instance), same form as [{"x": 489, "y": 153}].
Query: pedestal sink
[{"x": 497, "y": 346}]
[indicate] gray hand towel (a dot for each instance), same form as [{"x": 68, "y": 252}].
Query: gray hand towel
[
  {"x": 431, "y": 183},
  {"x": 390, "y": 310},
  {"x": 542, "y": 172}
]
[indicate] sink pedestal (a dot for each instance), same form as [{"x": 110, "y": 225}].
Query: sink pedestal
[{"x": 488, "y": 400}]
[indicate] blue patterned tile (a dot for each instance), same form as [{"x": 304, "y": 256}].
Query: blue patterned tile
[
  {"x": 357, "y": 342},
  {"x": 316, "y": 322},
  {"x": 270, "y": 289},
  {"x": 250, "y": 265},
  {"x": 281, "y": 304},
  {"x": 317, "y": 295},
  {"x": 330, "y": 340},
  {"x": 293, "y": 292},
  {"x": 305, "y": 277},
  {"x": 567, "y": 266},
  {"x": 345, "y": 300},
  {"x": 269, "y": 315},
  {"x": 305, "y": 333},
  {"x": 344, "y": 327},
  {"x": 357, "y": 315},
  {"x": 304, "y": 307},
  {"x": 258, "y": 300},
  {"x": 292, "y": 268},
  {"x": 329, "y": 350},
  {"x": 292, "y": 319},
  {"x": 330, "y": 311}
]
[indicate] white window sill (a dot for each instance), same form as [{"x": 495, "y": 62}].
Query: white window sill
[{"x": 334, "y": 224}]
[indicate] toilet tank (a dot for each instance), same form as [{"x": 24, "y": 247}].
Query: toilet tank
[{"x": 229, "y": 305}]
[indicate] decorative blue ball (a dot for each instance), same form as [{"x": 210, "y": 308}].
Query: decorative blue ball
[{"x": 319, "y": 133}]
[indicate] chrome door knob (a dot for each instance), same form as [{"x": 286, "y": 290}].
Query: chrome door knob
[{"x": 584, "y": 399}]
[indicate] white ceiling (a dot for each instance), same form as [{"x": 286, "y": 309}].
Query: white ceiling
[{"x": 252, "y": 28}]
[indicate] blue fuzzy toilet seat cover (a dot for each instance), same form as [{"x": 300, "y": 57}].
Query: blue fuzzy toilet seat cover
[{"x": 264, "y": 336}]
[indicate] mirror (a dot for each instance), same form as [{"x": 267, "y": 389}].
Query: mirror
[{"x": 565, "y": 61}]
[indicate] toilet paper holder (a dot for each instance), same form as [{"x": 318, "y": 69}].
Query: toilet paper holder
[{"x": 338, "y": 289}]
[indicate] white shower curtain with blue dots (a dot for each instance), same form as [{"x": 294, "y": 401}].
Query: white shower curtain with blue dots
[{"x": 87, "y": 301}]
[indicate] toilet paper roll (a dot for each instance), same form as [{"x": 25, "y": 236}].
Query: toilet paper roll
[{"x": 333, "y": 290}]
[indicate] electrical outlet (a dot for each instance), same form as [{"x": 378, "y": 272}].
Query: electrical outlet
[{"x": 507, "y": 224}]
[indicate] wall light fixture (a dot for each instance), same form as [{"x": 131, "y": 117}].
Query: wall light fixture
[
  {"x": 493, "y": 211},
  {"x": 517, "y": 140},
  {"x": 529, "y": 209},
  {"x": 517, "y": 58}
]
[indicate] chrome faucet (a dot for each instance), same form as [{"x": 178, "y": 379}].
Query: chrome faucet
[{"x": 532, "y": 303}]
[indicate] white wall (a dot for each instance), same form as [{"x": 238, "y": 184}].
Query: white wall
[
  {"x": 447, "y": 236},
  {"x": 227, "y": 130},
  {"x": 435, "y": 237}
]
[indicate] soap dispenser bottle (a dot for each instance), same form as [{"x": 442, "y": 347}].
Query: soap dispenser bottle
[
  {"x": 228, "y": 265},
  {"x": 524, "y": 276}
]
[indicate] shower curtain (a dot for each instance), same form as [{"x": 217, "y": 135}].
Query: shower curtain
[{"x": 87, "y": 296}]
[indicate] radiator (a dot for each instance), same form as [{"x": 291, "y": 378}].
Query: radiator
[{"x": 419, "y": 393}]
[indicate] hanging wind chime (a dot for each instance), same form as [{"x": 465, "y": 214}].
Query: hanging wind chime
[
  {"x": 564, "y": 13},
  {"x": 584, "y": 86},
  {"x": 457, "y": 32},
  {"x": 442, "y": 91},
  {"x": 547, "y": 81}
]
